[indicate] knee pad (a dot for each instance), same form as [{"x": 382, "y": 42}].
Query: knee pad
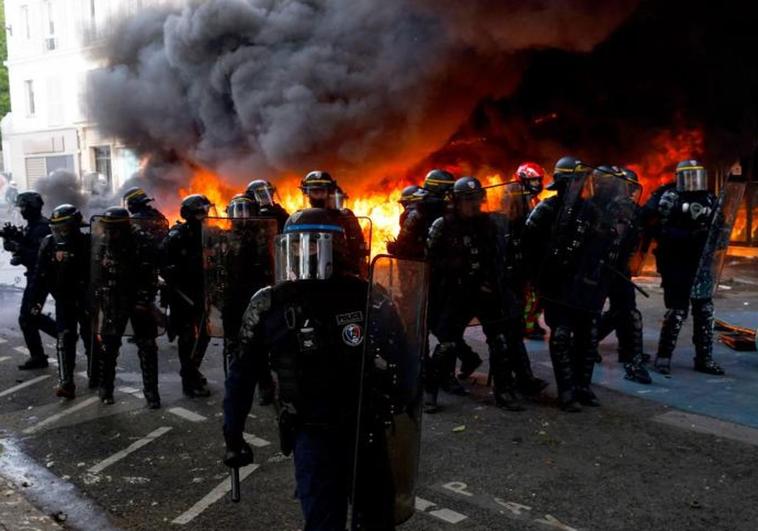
[{"x": 675, "y": 316}]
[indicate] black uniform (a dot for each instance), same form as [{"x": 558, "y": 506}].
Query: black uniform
[
  {"x": 299, "y": 329},
  {"x": 25, "y": 253},
  {"x": 681, "y": 222},
  {"x": 63, "y": 272},
  {"x": 574, "y": 238},
  {"x": 414, "y": 227},
  {"x": 125, "y": 284},
  {"x": 182, "y": 269},
  {"x": 464, "y": 257}
]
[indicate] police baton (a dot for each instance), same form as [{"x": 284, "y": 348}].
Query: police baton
[
  {"x": 235, "y": 484},
  {"x": 628, "y": 280}
]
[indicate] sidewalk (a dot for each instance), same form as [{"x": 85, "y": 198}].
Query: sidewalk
[{"x": 16, "y": 513}]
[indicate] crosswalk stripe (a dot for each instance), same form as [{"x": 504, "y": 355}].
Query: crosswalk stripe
[
  {"x": 5, "y": 358},
  {"x": 22, "y": 350},
  {"x": 3, "y": 341},
  {"x": 254, "y": 441},
  {"x": 24, "y": 384},
  {"x": 136, "y": 445},
  {"x": 212, "y": 497},
  {"x": 58, "y": 416},
  {"x": 186, "y": 414}
]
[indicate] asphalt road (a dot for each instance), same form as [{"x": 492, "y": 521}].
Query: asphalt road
[{"x": 621, "y": 466}]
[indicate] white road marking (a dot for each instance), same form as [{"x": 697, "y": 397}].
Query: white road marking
[
  {"x": 22, "y": 350},
  {"x": 458, "y": 487},
  {"x": 3, "y": 340},
  {"x": 701, "y": 424},
  {"x": 552, "y": 521},
  {"x": 448, "y": 515},
  {"x": 5, "y": 358},
  {"x": 24, "y": 384},
  {"x": 186, "y": 414},
  {"x": 422, "y": 504},
  {"x": 128, "y": 390},
  {"x": 212, "y": 497},
  {"x": 58, "y": 416},
  {"x": 444, "y": 514},
  {"x": 136, "y": 445},
  {"x": 254, "y": 441}
]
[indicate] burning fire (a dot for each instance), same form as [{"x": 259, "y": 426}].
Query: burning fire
[
  {"x": 382, "y": 207},
  {"x": 668, "y": 149}
]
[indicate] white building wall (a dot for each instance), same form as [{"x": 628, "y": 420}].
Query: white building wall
[{"x": 50, "y": 51}]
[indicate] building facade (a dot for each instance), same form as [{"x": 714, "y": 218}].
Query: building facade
[{"x": 51, "y": 49}]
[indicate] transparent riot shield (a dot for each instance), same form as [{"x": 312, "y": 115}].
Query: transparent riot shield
[
  {"x": 588, "y": 241},
  {"x": 367, "y": 229},
  {"x": 124, "y": 277},
  {"x": 390, "y": 404},
  {"x": 238, "y": 260},
  {"x": 515, "y": 202},
  {"x": 717, "y": 243}
]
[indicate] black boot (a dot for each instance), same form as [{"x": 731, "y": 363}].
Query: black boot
[
  {"x": 526, "y": 382},
  {"x": 504, "y": 385},
  {"x": 66, "y": 351},
  {"x": 560, "y": 353},
  {"x": 587, "y": 353},
  {"x": 629, "y": 334},
  {"x": 444, "y": 357},
  {"x": 672, "y": 325},
  {"x": 108, "y": 373},
  {"x": 636, "y": 371},
  {"x": 147, "y": 351},
  {"x": 702, "y": 337},
  {"x": 34, "y": 363}
]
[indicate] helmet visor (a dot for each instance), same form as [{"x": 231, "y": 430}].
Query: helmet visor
[
  {"x": 337, "y": 199},
  {"x": 303, "y": 256},
  {"x": 240, "y": 209},
  {"x": 264, "y": 196},
  {"x": 692, "y": 179}
]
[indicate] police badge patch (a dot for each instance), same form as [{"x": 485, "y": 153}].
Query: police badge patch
[{"x": 352, "y": 335}]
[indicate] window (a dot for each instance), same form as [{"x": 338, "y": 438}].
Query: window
[
  {"x": 50, "y": 43},
  {"x": 25, "y": 21},
  {"x": 103, "y": 160},
  {"x": 29, "y": 92},
  {"x": 50, "y": 20}
]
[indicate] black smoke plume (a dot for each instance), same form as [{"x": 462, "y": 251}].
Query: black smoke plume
[{"x": 364, "y": 88}]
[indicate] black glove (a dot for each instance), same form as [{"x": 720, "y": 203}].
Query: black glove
[{"x": 238, "y": 455}]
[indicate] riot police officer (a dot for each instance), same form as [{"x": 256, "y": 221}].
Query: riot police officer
[
  {"x": 530, "y": 176},
  {"x": 622, "y": 314},
  {"x": 309, "y": 328},
  {"x": 431, "y": 202},
  {"x": 182, "y": 269},
  {"x": 263, "y": 193},
  {"x": 320, "y": 188},
  {"x": 244, "y": 253},
  {"x": 63, "y": 272},
  {"x": 25, "y": 247},
  {"x": 463, "y": 254},
  {"x": 573, "y": 338},
  {"x": 124, "y": 284},
  {"x": 684, "y": 214},
  {"x": 136, "y": 201},
  {"x": 408, "y": 199}
]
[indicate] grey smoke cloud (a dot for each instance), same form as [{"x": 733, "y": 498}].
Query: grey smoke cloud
[{"x": 268, "y": 88}]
